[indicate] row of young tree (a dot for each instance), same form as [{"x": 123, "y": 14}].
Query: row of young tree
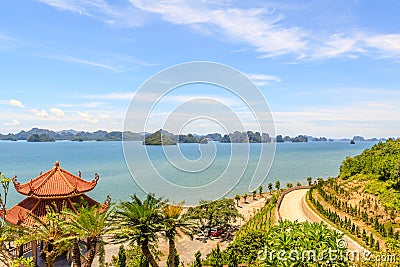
[
  {"x": 344, "y": 224},
  {"x": 358, "y": 213},
  {"x": 261, "y": 221}
]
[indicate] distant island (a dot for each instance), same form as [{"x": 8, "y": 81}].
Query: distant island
[
  {"x": 40, "y": 138},
  {"x": 159, "y": 138},
  {"x": 45, "y": 135},
  {"x": 163, "y": 137}
]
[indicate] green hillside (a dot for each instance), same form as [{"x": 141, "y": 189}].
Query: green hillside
[{"x": 379, "y": 168}]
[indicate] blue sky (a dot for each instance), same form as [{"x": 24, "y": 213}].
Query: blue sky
[{"x": 326, "y": 68}]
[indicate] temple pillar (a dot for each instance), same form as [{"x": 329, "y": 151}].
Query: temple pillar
[
  {"x": 20, "y": 251},
  {"x": 35, "y": 252}
]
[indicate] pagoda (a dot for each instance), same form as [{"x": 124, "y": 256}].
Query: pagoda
[{"x": 56, "y": 189}]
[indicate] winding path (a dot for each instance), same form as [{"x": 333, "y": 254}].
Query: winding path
[{"x": 294, "y": 207}]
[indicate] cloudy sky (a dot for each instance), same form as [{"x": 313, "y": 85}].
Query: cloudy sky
[{"x": 326, "y": 67}]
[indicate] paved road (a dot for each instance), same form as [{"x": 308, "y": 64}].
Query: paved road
[
  {"x": 294, "y": 207},
  {"x": 291, "y": 207}
]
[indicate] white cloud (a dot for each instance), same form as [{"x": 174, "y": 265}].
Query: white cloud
[
  {"x": 40, "y": 113},
  {"x": 339, "y": 45},
  {"x": 58, "y": 112},
  {"x": 16, "y": 103},
  {"x": 370, "y": 118},
  {"x": 87, "y": 117},
  {"x": 74, "y": 6},
  {"x": 99, "y": 9},
  {"x": 352, "y": 45},
  {"x": 90, "y": 63},
  {"x": 12, "y": 123},
  {"x": 85, "y": 105},
  {"x": 112, "y": 96},
  {"x": 389, "y": 44},
  {"x": 255, "y": 27},
  {"x": 104, "y": 116},
  {"x": 264, "y": 29},
  {"x": 264, "y": 79}
]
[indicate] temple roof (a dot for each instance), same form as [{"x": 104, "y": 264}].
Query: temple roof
[
  {"x": 55, "y": 183},
  {"x": 29, "y": 208}
]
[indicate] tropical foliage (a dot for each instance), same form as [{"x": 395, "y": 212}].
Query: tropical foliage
[
  {"x": 260, "y": 247},
  {"x": 86, "y": 223},
  {"x": 214, "y": 213},
  {"x": 382, "y": 161},
  {"x": 138, "y": 223}
]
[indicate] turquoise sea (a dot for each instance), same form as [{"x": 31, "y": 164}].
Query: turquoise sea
[{"x": 293, "y": 162}]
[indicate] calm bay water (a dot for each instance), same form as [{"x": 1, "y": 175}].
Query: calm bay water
[{"x": 293, "y": 162}]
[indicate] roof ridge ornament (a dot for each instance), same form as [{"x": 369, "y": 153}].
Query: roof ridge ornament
[
  {"x": 15, "y": 181},
  {"x": 96, "y": 178}
]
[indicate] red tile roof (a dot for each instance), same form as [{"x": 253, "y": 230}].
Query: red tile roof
[
  {"x": 25, "y": 211},
  {"x": 54, "y": 183},
  {"x": 56, "y": 189}
]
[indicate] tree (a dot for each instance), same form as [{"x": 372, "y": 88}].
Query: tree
[
  {"x": 277, "y": 185},
  {"x": 7, "y": 233},
  {"x": 176, "y": 259},
  {"x": 197, "y": 260},
  {"x": 254, "y": 193},
  {"x": 173, "y": 224},
  {"x": 121, "y": 257},
  {"x": 50, "y": 231},
  {"x": 289, "y": 185},
  {"x": 237, "y": 198},
  {"x": 260, "y": 190},
  {"x": 298, "y": 184},
  {"x": 215, "y": 257},
  {"x": 270, "y": 187},
  {"x": 309, "y": 180},
  {"x": 214, "y": 213},
  {"x": 245, "y": 197},
  {"x": 286, "y": 236},
  {"x": 138, "y": 222},
  {"x": 89, "y": 223}
]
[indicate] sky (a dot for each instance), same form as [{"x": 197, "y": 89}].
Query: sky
[{"x": 325, "y": 67}]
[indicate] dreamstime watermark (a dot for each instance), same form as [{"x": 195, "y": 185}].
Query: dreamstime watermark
[
  {"x": 332, "y": 255},
  {"x": 212, "y": 94}
]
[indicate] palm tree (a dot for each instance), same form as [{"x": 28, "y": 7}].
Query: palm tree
[
  {"x": 254, "y": 194},
  {"x": 270, "y": 188},
  {"x": 138, "y": 222},
  {"x": 49, "y": 231},
  {"x": 277, "y": 185},
  {"x": 88, "y": 223},
  {"x": 245, "y": 197},
  {"x": 174, "y": 224},
  {"x": 260, "y": 190},
  {"x": 289, "y": 185},
  {"x": 309, "y": 180},
  {"x": 237, "y": 198},
  {"x": 298, "y": 184}
]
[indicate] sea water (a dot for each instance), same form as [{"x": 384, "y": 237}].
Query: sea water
[{"x": 293, "y": 162}]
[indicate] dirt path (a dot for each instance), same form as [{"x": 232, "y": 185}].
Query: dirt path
[{"x": 294, "y": 207}]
